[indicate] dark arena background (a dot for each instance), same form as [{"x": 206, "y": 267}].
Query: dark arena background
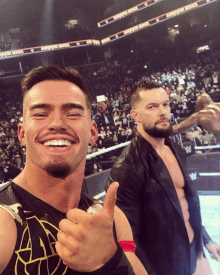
[{"x": 115, "y": 44}]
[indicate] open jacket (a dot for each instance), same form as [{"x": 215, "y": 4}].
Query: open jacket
[{"x": 148, "y": 198}]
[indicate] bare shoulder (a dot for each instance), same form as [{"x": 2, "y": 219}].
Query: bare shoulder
[
  {"x": 123, "y": 228},
  {"x": 8, "y": 237}
]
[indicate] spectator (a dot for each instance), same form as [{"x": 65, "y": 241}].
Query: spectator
[{"x": 124, "y": 121}]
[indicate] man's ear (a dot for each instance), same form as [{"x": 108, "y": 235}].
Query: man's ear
[
  {"x": 21, "y": 134},
  {"x": 135, "y": 115},
  {"x": 94, "y": 132}
]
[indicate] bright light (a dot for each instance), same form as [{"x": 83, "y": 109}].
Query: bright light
[
  {"x": 71, "y": 24},
  {"x": 205, "y": 26},
  {"x": 145, "y": 66},
  {"x": 176, "y": 26},
  {"x": 131, "y": 51}
]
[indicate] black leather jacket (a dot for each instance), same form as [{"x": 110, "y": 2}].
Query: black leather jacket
[{"x": 147, "y": 196}]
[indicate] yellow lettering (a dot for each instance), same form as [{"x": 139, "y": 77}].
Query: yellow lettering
[
  {"x": 17, "y": 52},
  {"x": 48, "y": 48},
  {"x": 96, "y": 42},
  {"x": 120, "y": 15},
  {"x": 64, "y": 45},
  {"x": 134, "y": 9},
  {"x": 131, "y": 30},
  {"x": 4, "y": 54},
  {"x": 191, "y": 6},
  {"x": 143, "y": 25},
  {"x": 105, "y": 40}
]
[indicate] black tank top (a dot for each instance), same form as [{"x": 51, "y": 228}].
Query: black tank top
[{"x": 37, "y": 226}]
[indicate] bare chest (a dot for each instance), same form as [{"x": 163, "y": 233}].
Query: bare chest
[
  {"x": 178, "y": 180},
  {"x": 174, "y": 169}
]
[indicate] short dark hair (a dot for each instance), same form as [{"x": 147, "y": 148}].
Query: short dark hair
[
  {"x": 142, "y": 86},
  {"x": 55, "y": 72}
]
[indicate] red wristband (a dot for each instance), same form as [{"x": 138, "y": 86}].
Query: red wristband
[{"x": 128, "y": 246}]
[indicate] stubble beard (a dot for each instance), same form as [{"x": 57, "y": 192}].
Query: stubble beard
[{"x": 158, "y": 132}]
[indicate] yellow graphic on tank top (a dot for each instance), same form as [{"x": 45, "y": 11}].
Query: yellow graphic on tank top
[{"x": 37, "y": 253}]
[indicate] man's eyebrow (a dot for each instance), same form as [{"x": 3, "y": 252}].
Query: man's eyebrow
[
  {"x": 68, "y": 106},
  {"x": 155, "y": 103},
  {"x": 40, "y": 105},
  {"x": 65, "y": 106}
]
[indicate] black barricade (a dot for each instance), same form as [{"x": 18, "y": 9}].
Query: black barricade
[
  {"x": 204, "y": 163},
  {"x": 95, "y": 184}
]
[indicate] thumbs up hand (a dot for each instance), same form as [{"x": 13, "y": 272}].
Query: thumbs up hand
[{"x": 86, "y": 241}]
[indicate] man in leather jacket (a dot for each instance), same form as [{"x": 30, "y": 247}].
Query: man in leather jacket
[{"x": 155, "y": 192}]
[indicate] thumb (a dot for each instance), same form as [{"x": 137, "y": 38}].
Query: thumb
[
  {"x": 110, "y": 199},
  {"x": 214, "y": 255}
]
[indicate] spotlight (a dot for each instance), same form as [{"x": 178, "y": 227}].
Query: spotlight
[
  {"x": 131, "y": 51},
  {"x": 176, "y": 26}
]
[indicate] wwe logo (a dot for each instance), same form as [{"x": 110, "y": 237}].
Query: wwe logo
[
  {"x": 188, "y": 149},
  {"x": 193, "y": 176}
]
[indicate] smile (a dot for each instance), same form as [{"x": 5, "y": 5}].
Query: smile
[{"x": 58, "y": 145}]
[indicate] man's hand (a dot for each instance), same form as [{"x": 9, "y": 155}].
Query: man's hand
[
  {"x": 86, "y": 241},
  {"x": 209, "y": 118},
  {"x": 214, "y": 250}
]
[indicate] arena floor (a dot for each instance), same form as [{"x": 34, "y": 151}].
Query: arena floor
[{"x": 210, "y": 208}]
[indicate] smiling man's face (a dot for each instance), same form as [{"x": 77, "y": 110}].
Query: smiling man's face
[{"x": 57, "y": 127}]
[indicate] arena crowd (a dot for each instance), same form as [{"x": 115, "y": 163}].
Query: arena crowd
[{"x": 116, "y": 80}]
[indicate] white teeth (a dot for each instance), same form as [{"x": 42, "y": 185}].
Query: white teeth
[{"x": 57, "y": 143}]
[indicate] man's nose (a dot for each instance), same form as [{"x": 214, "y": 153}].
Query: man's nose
[
  {"x": 162, "y": 110},
  {"x": 57, "y": 122}
]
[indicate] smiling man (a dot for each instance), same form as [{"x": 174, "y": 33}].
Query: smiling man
[
  {"x": 47, "y": 225},
  {"x": 156, "y": 193}
]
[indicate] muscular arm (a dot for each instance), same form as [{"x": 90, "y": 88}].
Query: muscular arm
[
  {"x": 217, "y": 135},
  {"x": 185, "y": 125},
  {"x": 8, "y": 236},
  {"x": 124, "y": 233}
]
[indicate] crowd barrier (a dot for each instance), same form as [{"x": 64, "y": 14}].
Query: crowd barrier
[
  {"x": 203, "y": 169},
  {"x": 94, "y": 185},
  {"x": 103, "y": 151}
]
